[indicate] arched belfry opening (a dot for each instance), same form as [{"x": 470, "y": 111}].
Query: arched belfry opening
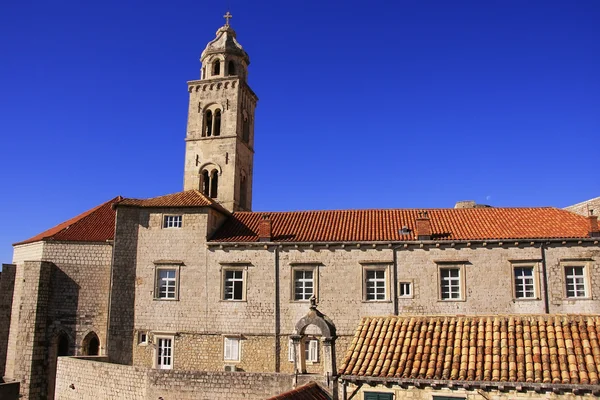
[
  {"x": 230, "y": 68},
  {"x": 313, "y": 341},
  {"x": 90, "y": 345}
]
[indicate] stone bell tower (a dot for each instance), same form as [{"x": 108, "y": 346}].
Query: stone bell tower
[{"x": 219, "y": 148}]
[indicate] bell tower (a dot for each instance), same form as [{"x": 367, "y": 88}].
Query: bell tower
[{"x": 219, "y": 151}]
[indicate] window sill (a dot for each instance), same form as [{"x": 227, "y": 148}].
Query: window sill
[
  {"x": 577, "y": 298},
  {"x": 231, "y": 361},
  {"x": 451, "y": 300},
  {"x": 160, "y": 299},
  {"x": 525, "y": 299},
  {"x": 232, "y": 301},
  {"x": 376, "y": 301},
  {"x": 405, "y": 297}
]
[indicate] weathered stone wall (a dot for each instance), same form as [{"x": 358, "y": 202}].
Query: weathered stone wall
[
  {"x": 9, "y": 390},
  {"x": 80, "y": 379},
  {"x": 584, "y": 207},
  {"x": 427, "y": 393},
  {"x": 7, "y": 284}
]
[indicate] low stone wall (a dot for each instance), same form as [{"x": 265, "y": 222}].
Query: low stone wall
[{"x": 84, "y": 379}]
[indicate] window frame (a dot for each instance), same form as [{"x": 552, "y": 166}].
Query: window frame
[
  {"x": 232, "y": 338},
  {"x": 376, "y": 395},
  {"x": 378, "y": 267},
  {"x": 535, "y": 276},
  {"x": 410, "y": 284},
  {"x": 310, "y": 348},
  {"x": 144, "y": 341},
  {"x": 461, "y": 281},
  {"x": 165, "y": 267},
  {"x": 157, "y": 355},
  {"x": 585, "y": 265},
  {"x": 244, "y": 280},
  {"x": 315, "y": 280},
  {"x": 164, "y": 221}
]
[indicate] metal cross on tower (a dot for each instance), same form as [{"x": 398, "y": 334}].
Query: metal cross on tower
[{"x": 227, "y": 17}]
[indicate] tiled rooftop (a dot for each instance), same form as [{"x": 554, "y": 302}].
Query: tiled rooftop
[
  {"x": 95, "y": 225},
  {"x": 189, "y": 198},
  {"x": 310, "y": 391},
  {"x": 561, "y": 349},
  {"x": 384, "y": 225}
]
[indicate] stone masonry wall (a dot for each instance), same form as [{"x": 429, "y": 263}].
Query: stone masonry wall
[
  {"x": 584, "y": 207},
  {"x": 80, "y": 379},
  {"x": 7, "y": 284}
]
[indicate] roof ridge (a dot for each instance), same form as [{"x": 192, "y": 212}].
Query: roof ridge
[{"x": 488, "y": 209}]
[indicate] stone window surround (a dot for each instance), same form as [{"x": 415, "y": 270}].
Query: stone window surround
[
  {"x": 237, "y": 338},
  {"x": 411, "y": 284},
  {"x": 155, "y": 339},
  {"x": 460, "y": 265},
  {"x": 384, "y": 266},
  {"x": 166, "y": 265},
  {"x": 304, "y": 266},
  {"x": 142, "y": 338},
  {"x": 164, "y": 221},
  {"x": 235, "y": 266},
  {"x": 587, "y": 265},
  {"x": 535, "y": 264}
]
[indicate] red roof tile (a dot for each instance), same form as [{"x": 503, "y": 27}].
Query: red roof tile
[
  {"x": 560, "y": 349},
  {"x": 95, "y": 225},
  {"x": 189, "y": 198},
  {"x": 310, "y": 391},
  {"x": 384, "y": 225}
]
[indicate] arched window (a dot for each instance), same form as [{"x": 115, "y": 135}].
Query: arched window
[
  {"x": 203, "y": 72},
  {"x": 217, "y": 130},
  {"x": 63, "y": 345},
  {"x": 205, "y": 183},
  {"x": 243, "y": 191},
  {"x": 91, "y": 345},
  {"x": 231, "y": 68},
  {"x": 217, "y": 68},
  {"x": 246, "y": 130},
  {"x": 208, "y": 123},
  {"x": 214, "y": 183}
]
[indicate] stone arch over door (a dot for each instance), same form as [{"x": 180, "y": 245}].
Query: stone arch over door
[
  {"x": 90, "y": 346},
  {"x": 328, "y": 334},
  {"x": 61, "y": 344}
]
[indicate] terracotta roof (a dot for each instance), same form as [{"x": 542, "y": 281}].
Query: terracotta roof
[
  {"x": 189, "y": 198},
  {"x": 384, "y": 225},
  {"x": 95, "y": 225},
  {"x": 561, "y": 349},
  {"x": 310, "y": 391}
]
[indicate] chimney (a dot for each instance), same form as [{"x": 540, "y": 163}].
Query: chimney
[
  {"x": 423, "y": 226},
  {"x": 593, "y": 228},
  {"x": 265, "y": 232}
]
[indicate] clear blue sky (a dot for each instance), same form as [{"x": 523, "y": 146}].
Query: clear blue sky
[{"x": 366, "y": 104}]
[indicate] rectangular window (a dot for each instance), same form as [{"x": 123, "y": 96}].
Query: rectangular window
[
  {"x": 311, "y": 350},
  {"x": 143, "y": 337},
  {"x": 575, "y": 280},
  {"x": 166, "y": 284},
  {"x": 375, "y": 284},
  {"x": 304, "y": 284},
  {"x": 450, "y": 284},
  {"x": 524, "y": 282},
  {"x": 172, "y": 221},
  {"x": 231, "y": 350},
  {"x": 164, "y": 352},
  {"x": 378, "y": 396},
  {"x": 233, "y": 284},
  {"x": 405, "y": 289},
  {"x": 448, "y": 398}
]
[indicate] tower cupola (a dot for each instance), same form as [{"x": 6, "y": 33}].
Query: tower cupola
[{"x": 224, "y": 55}]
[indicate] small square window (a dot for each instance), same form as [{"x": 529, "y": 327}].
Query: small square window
[
  {"x": 304, "y": 284},
  {"x": 142, "y": 337},
  {"x": 234, "y": 284},
  {"x": 524, "y": 282},
  {"x": 450, "y": 283},
  {"x": 166, "y": 283},
  {"x": 575, "y": 279},
  {"x": 375, "y": 284},
  {"x": 405, "y": 289},
  {"x": 172, "y": 221},
  {"x": 231, "y": 349}
]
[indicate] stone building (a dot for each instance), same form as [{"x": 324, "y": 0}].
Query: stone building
[{"x": 193, "y": 293}]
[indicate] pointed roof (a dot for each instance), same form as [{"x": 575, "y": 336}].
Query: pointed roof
[
  {"x": 95, "y": 225},
  {"x": 498, "y": 350},
  {"x": 188, "y": 198},
  {"x": 385, "y": 225},
  {"x": 225, "y": 42}
]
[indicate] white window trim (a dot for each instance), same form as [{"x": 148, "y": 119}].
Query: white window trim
[
  {"x": 536, "y": 280},
  {"x": 291, "y": 350},
  {"x": 156, "y": 353},
  {"x": 313, "y": 350},
  {"x": 164, "y": 220},
  {"x": 385, "y": 267},
  {"x": 238, "y": 356},
  {"x": 412, "y": 289},
  {"x": 244, "y": 270},
  {"x": 140, "y": 341},
  {"x": 586, "y": 279},
  {"x": 156, "y": 291},
  {"x": 461, "y": 281},
  {"x": 315, "y": 271}
]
